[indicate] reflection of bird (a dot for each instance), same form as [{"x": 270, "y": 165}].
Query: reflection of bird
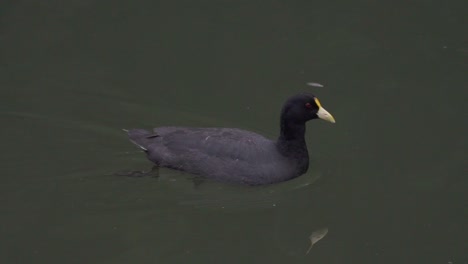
[{"x": 235, "y": 155}]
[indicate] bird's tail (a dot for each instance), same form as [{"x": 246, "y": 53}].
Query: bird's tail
[{"x": 140, "y": 137}]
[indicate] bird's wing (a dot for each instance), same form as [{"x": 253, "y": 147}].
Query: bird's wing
[{"x": 223, "y": 143}]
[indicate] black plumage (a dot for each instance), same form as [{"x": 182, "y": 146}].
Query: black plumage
[{"x": 235, "y": 155}]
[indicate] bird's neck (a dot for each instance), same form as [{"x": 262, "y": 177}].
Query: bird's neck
[
  {"x": 291, "y": 144},
  {"x": 291, "y": 130},
  {"x": 291, "y": 140}
]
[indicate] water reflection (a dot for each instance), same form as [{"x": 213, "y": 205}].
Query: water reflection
[{"x": 215, "y": 195}]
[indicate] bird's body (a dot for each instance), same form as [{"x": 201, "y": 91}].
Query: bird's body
[
  {"x": 230, "y": 154},
  {"x": 223, "y": 154}
]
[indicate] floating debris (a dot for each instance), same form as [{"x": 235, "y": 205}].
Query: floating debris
[
  {"x": 314, "y": 84},
  {"x": 316, "y": 236}
]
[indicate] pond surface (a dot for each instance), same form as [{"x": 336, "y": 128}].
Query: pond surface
[{"x": 388, "y": 180}]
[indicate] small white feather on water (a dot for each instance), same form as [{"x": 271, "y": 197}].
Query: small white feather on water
[
  {"x": 314, "y": 84},
  {"x": 316, "y": 236}
]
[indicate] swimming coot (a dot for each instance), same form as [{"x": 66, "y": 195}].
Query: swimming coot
[{"x": 235, "y": 155}]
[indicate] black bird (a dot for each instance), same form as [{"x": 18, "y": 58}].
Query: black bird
[{"x": 234, "y": 155}]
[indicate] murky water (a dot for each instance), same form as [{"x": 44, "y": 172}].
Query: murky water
[{"x": 388, "y": 180}]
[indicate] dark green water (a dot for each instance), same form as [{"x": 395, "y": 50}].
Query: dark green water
[{"x": 388, "y": 179}]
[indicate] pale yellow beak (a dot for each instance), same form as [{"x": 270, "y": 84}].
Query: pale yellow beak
[{"x": 325, "y": 115}]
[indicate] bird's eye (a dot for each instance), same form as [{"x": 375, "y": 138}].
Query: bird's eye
[{"x": 308, "y": 105}]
